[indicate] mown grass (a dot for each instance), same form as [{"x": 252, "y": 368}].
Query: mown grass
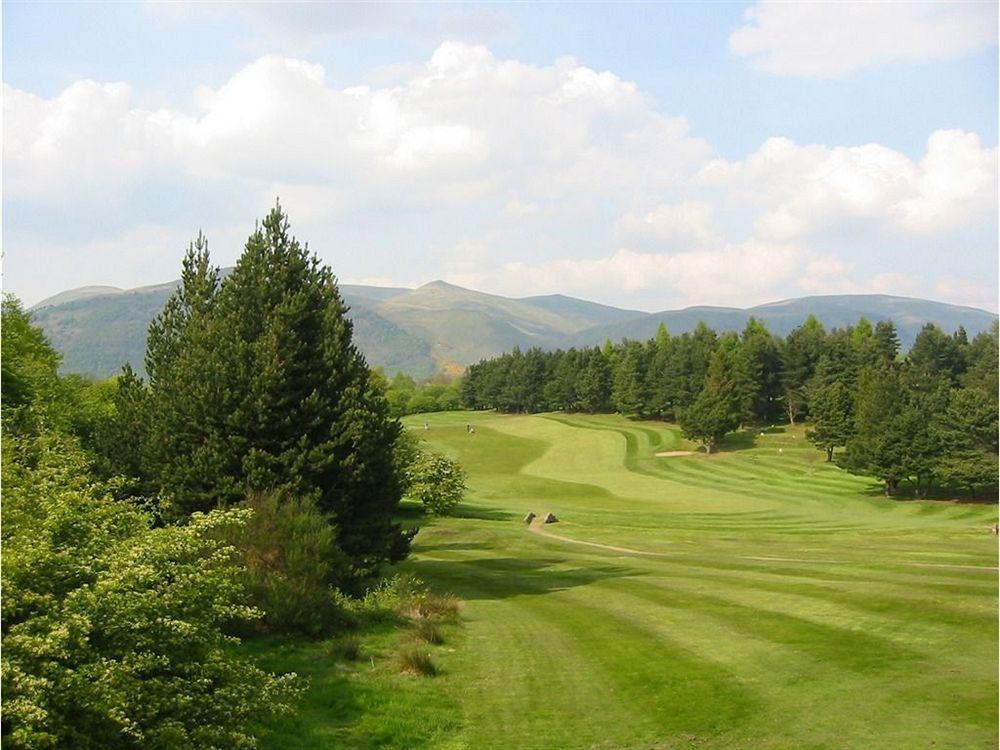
[{"x": 783, "y": 604}]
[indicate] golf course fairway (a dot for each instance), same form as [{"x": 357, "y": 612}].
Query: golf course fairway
[{"x": 754, "y": 598}]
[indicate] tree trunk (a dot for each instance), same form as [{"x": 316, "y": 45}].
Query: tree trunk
[
  {"x": 829, "y": 454},
  {"x": 791, "y": 412}
]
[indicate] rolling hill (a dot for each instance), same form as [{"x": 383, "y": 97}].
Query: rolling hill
[{"x": 440, "y": 327}]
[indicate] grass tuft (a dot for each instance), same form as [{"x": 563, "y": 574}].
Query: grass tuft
[
  {"x": 415, "y": 660},
  {"x": 349, "y": 647},
  {"x": 426, "y": 631}
]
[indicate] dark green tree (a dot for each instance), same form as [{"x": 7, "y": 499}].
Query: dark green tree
[
  {"x": 628, "y": 391},
  {"x": 833, "y": 422},
  {"x": 886, "y": 342},
  {"x": 717, "y": 409},
  {"x": 255, "y": 386},
  {"x": 799, "y": 356},
  {"x": 594, "y": 383},
  {"x": 967, "y": 431}
]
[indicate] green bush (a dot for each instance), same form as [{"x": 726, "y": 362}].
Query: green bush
[
  {"x": 292, "y": 565},
  {"x": 112, "y": 629},
  {"x": 436, "y": 481}
]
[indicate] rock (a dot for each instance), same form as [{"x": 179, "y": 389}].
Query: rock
[
  {"x": 529, "y": 518},
  {"x": 549, "y": 518}
]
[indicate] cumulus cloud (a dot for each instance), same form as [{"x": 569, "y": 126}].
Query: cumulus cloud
[
  {"x": 465, "y": 125},
  {"x": 731, "y": 274},
  {"x": 532, "y": 174},
  {"x": 833, "y": 39},
  {"x": 688, "y": 223},
  {"x": 806, "y": 189}
]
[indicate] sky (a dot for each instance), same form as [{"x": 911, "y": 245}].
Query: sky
[{"x": 644, "y": 155}]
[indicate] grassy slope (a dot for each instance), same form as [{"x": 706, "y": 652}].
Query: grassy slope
[{"x": 787, "y": 605}]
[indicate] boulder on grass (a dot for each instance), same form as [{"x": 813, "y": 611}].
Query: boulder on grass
[
  {"x": 549, "y": 518},
  {"x": 529, "y": 518}
]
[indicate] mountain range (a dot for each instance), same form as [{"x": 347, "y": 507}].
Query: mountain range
[{"x": 439, "y": 327}]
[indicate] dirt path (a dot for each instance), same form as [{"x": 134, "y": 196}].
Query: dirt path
[
  {"x": 539, "y": 527},
  {"x": 671, "y": 454}
]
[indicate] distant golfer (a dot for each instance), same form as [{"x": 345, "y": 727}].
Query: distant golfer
[{"x": 426, "y": 427}]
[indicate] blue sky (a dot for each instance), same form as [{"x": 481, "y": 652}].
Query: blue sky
[{"x": 645, "y": 155}]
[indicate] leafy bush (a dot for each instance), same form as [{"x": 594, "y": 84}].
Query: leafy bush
[
  {"x": 113, "y": 630},
  {"x": 385, "y": 601},
  {"x": 436, "y": 481},
  {"x": 292, "y": 564}
]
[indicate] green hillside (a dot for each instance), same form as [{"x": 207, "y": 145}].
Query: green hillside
[
  {"x": 463, "y": 326},
  {"x": 759, "y": 598}
]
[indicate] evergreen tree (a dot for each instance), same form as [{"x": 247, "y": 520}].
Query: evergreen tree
[
  {"x": 967, "y": 431},
  {"x": 934, "y": 355},
  {"x": 886, "y": 342},
  {"x": 758, "y": 371},
  {"x": 628, "y": 389},
  {"x": 717, "y": 408},
  {"x": 255, "y": 385},
  {"x": 876, "y": 446},
  {"x": 799, "y": 357},
  {"x": 594, "y": 383},
  {"x": 832, "y": 418}
]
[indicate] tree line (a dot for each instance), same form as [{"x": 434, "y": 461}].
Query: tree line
[{"x": 927, "y": 419}]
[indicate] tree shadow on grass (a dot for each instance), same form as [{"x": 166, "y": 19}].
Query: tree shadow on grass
[
  {"x": 421, "y": 548},
  {"x": 504, "y": 577},
  {"x": 905, "y": 493},
  {"x": 737, "y": 441},
  {"x": 482, "y": 514}
]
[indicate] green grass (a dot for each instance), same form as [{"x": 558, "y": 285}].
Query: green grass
[{"x": 781, "y": 603}]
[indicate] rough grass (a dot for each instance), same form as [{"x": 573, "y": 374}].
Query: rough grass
[
  {"x": 415, "y": 660},
  {"x": 782, "y": 604},
  {"x": 426, "y": 631}
]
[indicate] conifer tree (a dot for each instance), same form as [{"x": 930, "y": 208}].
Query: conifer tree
[
  {"x": 628, "y": 390},
  {"x": 833, "y": 423},
  {"x": 255, "y": 385},
  {"x": 717, "y": 408}
]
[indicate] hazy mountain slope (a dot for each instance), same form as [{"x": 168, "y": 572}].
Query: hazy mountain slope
[
  {"x": 440, "y": 326},
  {"x": 98, "y": 333},
  {"x": 83, "y": 292},
  {"x": 834, "y": 311},
  {"x": 463, "y": 326},
  {"x": 588, "y": 314}
]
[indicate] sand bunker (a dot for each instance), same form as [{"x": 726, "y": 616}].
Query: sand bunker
[{"x": 670, "y": 454}]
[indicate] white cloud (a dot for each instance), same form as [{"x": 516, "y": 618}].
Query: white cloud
[
  {"x": 688, "y": 223},
  {"x": 522, "y": 169},
  {"x": 464, "y": 126},
  {"x": 732, "y": 274},
  {"x": 832, "y": 39},
  {"x": 807, "y": 189}
]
